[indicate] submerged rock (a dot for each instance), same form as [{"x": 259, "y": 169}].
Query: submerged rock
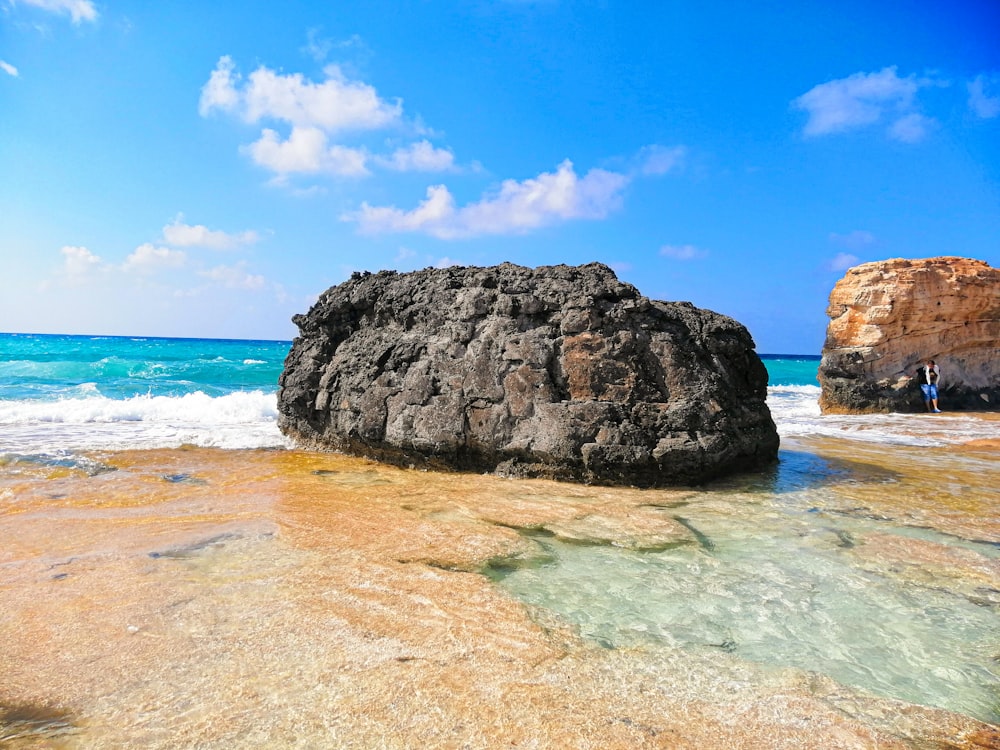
[
  {"x": 889, "y": 316},
  {"x": 561, "y": 372}
]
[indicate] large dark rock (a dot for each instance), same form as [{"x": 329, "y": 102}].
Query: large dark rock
[{"x": 561, "y": 372}]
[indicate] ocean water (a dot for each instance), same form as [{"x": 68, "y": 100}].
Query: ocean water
[
  {"x": 146, "y": 492},
  {"x": 64, "y": 393},
  {"x": 60, "y": 393}
]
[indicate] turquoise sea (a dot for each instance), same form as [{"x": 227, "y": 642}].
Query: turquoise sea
[
  {"x": 61, "y": 393},
  {"x": 105, "y": 392}
]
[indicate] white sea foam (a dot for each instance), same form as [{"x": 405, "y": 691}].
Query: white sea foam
[
  {"x": 246, "y": 419},
  {"x": 795, "y": 409}
]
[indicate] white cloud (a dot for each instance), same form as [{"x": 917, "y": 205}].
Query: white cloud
[
  {"x": 148, "y": 258},
  {"x": 319, "y": 48},
  {"x": 911, "y": 128},
  {"x": 78, "y": 10},
  {"x": 220, "y": 90},
  {"x": 854, "y": 240},
  {"x": 843, "y": 261},
  {"x": 419, "y": 157},
  {"x": 864, "y": 99},
  {"x": 9, "y": 69},
  {"x": 234, "y": 277},
  {"x": 332, "y": 105},
  {"x": 683, "y": 252},
  {"x": 517, "y": 208},
  {"x": 984, "y": 105},
  {"x": 315, "y": 112},
  {"x": 306, "y": 151},
  {"x": 315, "y": 47},
  {"x": 180, "y": 234},
  {"x": 657, "y": 160},
  {"x": 78, "y": 261}
]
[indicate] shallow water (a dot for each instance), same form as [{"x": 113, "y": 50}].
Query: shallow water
[
  {"x": 795, "y": 576},
  {"x": 200, "y": 597}
]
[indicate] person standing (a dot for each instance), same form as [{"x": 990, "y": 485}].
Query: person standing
[{"x": 928, "y": 376}]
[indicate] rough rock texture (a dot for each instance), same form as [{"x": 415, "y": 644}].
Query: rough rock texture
[
  {"x": 562, "y": 372},
  {"x": 887, "y": 317}
]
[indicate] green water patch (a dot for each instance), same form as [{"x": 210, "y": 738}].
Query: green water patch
[
  {"x": 706, "y": 544},
  {"x": 499, "y": 568},
  {"x": 599, "y": 531},
  {"x": 775, "y": 585}
]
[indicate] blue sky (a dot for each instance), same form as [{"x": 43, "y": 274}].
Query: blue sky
[{"x": 207, "y": 169}]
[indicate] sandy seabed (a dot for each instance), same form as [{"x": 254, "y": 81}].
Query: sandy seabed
[{"x": 200, "y": 598}]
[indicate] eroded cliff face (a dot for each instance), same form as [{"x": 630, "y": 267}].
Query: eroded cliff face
[
  {"x": 561, "y": 372},
  {"x": 888, "y": 316}
]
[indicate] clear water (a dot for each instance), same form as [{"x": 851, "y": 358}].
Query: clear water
[
  {"x": 783, "y": 572},
  {"x": 780, "y": 569}
]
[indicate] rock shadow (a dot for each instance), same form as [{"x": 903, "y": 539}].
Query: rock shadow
[
  {"x": 30, "y": 725},
  {"x": 800, "y": 470}
]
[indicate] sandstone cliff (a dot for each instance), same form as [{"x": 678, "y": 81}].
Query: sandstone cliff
[
  {"x": 888, "y": 316},
  {"x": 561, "y": 372}
]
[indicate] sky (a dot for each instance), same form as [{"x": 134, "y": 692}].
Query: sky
[{"x": 207, "y": 169}]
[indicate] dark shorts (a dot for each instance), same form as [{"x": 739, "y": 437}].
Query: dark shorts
[{"x": 930, "y": 391}]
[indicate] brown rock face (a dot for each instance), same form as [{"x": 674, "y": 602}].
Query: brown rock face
[{"x": 888, "y": 316}]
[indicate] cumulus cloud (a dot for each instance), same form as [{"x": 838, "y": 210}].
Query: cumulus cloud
[
  {"x": 234, "y": 277},
  {"x": 335, "y": 104},
  {"x": 843, "y": 261},
  {"x": 683, "y": 252},
  {"x": 980, "y": 101},
  {"x": 220, "y": 90},
  {"x": 179, "y": 234},
  {"x": 306, "y": 151},
  {"x": 854, "y": 240},
  {"x": 314, "y": 112},
  {"x": 9, "y": 69},
  {"x": 516, "y": 208},
  {"x": 419, "y": 157},
  {"x": 865, "y": 99},
  {"x": 77, "y": 10},
  {"x": 148, "y": 258},
  {"x": 78, "y": 261}
]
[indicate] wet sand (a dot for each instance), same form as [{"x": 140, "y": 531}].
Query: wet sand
[{"x": 207, "y": 598}]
